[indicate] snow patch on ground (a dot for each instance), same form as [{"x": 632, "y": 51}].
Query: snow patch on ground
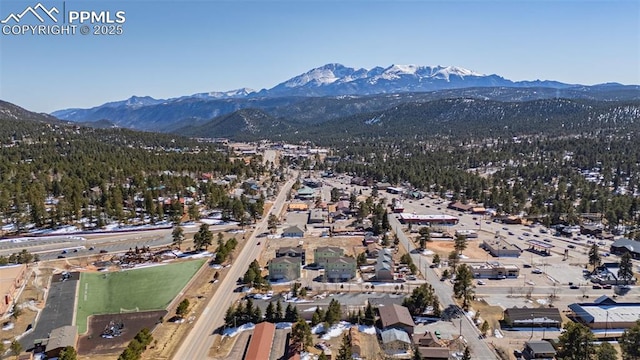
[
  {"x": 336, "y": 330},
  {"x": 371, "y": 330},
  {"x": 231, "y": 332}
]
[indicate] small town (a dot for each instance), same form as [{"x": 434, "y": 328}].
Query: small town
[{"x": 335, "y": 264}]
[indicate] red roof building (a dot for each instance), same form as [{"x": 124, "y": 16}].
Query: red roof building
[{"x": 261, "y": 342}]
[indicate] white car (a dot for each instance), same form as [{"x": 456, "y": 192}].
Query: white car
[{"x": 480, "y": 282}]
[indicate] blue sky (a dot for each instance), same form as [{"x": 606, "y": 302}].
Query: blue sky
[{"x": 174, "y": 48}]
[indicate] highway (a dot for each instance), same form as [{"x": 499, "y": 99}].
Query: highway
[{"x": 200, "y": 339}]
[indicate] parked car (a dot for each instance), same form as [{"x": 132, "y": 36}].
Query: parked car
[
  {"x": 570, "y": 246},
  {"x": 103, "y": 251},
  {"x": 596, "y": 287},
  {"x": 258, "y": 243},
  {"x": 574, "y": 287},
  {"x": 607, "y": 286},
  {"x": 536, "y": 271},
  {"x": 61, "y": 256}
]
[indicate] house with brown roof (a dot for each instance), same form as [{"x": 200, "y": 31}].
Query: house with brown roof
[
  {"x": 396, "y": 317},
  {"x": 261, "y": 342},
  {"x": 430, "y": 347}
]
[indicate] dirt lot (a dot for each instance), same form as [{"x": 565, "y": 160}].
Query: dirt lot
[
  {"x": 93, "y": 343},
  {"x": 31, "y": 299},
  {"x": 444, "y": 247}
]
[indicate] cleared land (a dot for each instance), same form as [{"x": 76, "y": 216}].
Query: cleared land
[{"x": 145, "y": 289}]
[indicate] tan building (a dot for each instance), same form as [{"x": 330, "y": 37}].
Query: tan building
[
  {"x": 60, "y": 338},
  {"x": 299, "y": 206},
  {"x": 11, "y": 280},
  {"x": 498, "y": 247}
]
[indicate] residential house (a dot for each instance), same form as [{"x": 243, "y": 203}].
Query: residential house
[
  {"x": 384, "y": 265},
  {"x": 344, "y": 206},
  {"x": 293, "y": 231},
  {"x": 430, "y": 347},
  {"x": 317, "y": 216},
  {"x": 323, "y": 253},
  {"x": 294, "y": 252},
  {"x": 342, "y": 268},
  {"x": 373, "y": 250},
  {"x": 305, "y": 193},
  {"x": 369, "y": 238},
  {"x": 395, "y": 341},
  {"x": 396, "y": 317},
  {"x": 538, "y": 350},
  {"x": 285, "y": 268}
]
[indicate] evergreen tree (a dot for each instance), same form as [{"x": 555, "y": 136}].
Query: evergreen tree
[
  {"x": 463, "y": 285},
  {"x": 301, "y": 338},
  {"x": 270, "y": 313},
  {"x": 625, "y": 270},
  {"x": 606, "y": 351},
  {"x": 594, "y": 256},
  {"x": 629, "y": 342},
  {"x": 344, "y": 353},
  {"x": 576, "y": 343}
]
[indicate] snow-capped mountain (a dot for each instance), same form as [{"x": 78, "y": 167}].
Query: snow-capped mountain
[{"x": 331, "y": 80}]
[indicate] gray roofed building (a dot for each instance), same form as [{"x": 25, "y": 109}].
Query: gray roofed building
[
  {"x": 395, "y": 341},
  {"x": 293, "y": 231},
  {"x": 396, "y": 317},
  {"x": 531, "y": 317},
  {"x": 292, "y": 252},
  {"x": 317, "y": 216},
  {"x": 606, "y": 315},
  {"x": 539, "y": 350},
  {"x": 384, "y": 266},
  {"x": 622, "y": 246},
  {"x": 284, "y": 268},
  {"x": 60, "y": 338}
]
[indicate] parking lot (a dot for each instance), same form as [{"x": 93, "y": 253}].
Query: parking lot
[{"x": 58, "y": 310}]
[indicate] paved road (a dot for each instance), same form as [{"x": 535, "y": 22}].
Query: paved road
[
  {"x": 197, "y": 343},
  {"x": 479, "y": 349}
]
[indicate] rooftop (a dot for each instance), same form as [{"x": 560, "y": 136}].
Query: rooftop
[
  {"x": 395, "y": 314},
  {"x": 62, "y": 337},
  {"x": 261, "y": 341}
]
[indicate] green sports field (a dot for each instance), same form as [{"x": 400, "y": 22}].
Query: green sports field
[{"x": 143, "y": 289}]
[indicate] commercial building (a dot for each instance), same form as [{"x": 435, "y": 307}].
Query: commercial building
[
  {"x": 543, "y": 350},
  {"x": 607, "y": 273},
  {"x": 317, "y": 216},
  {"x": 60, "y": 338},
  {"x": 261, "y": 341},
  {"x": 284, "y": 268},
  {"x": 469, "y": 234},
  {"x": 533, "y": 317},
  {"x": 494, "y": 270},
  {"x": 12, "y": 278},
  {"x": 499, "y": 247},
  {"x": 408, "y": 218},
  {"x": 622, "y": 246},
  {"x": 605, "y": 317},
  {"x": 298, "y": 206}
]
